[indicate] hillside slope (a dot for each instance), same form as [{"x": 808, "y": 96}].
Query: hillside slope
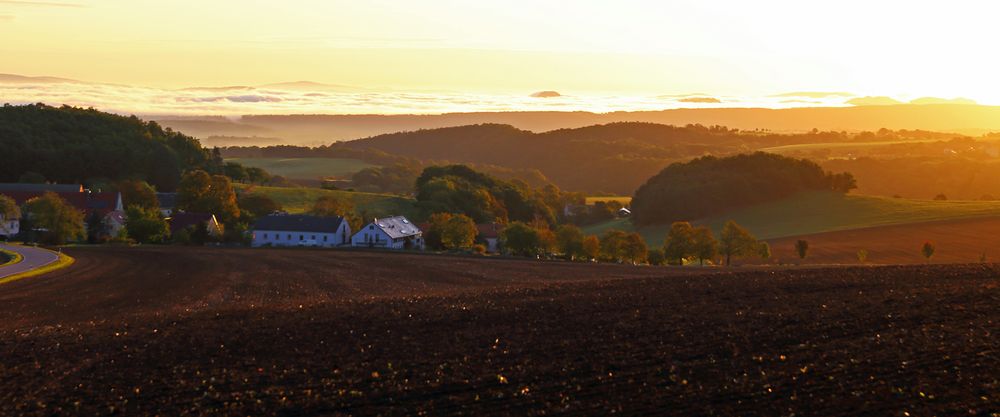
[
  {"x": 817, "y": 212},
  {"x": 612, "y": 158}
]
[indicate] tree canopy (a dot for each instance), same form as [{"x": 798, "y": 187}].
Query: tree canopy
[
  {"x": 59, "y": 221},
  {"x": 709, "y": 185},
  {"x": 75, "y": 145},
  {"x": 484, "y": 198}
]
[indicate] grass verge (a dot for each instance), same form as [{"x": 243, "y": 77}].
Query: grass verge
[
  {"x": 63, "y": 262},
  {"x": 9, "y": 258}
]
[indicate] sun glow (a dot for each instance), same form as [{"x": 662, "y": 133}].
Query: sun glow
[{"x": 641, "y": 48}]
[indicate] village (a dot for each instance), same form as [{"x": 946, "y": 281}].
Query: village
[{"x": 277, "y": 229}]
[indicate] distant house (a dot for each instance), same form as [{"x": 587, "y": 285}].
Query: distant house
[
  {"x": 86, "y": 201},
  {"x": 389, "y": 233},
  {"x": 9, "y": 227},
  {"x": 300, "y": 230},
  {"x": 489, "y": 235},
  {"x": 114, "y": 222},
  {"x": 168, "y": 203},
  {"x": 624, "y": 212},
  {"x": 181, "y": 220},
  {"x": 89, "y": 203}
]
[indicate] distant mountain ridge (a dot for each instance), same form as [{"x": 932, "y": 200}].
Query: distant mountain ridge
[{"x": 318, "y": 129}]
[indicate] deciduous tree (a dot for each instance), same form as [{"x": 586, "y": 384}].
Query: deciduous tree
[
  {"x": 569, "y": 241},
  {"x": 519, "y": 239},
  {"x": 679, "y": 243},
  {"x": 459, "y": 232},
  {"x": 634, "y": 249},
  {"x": 59, "y": 221},
  {"x": 704, "y": 244},
  {"x": 736, "y": 241},
  {"x": 927, "y": 250},
  {"x": 802, "y": 248},
  {"x": 591, "y": 247},
  {"x": 138, "y": 193},
  {"x": 146, "y": 225}
]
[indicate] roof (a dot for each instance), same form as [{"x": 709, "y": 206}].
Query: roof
[
  {"x": 167, "y": 200},
  {"x": 180, "y": 221},
  {"x": 116, "y": 216},
  {"x": 103, "y": 203},
  {"x": 41, "y": 188},
  {"x": 397, "y": 227},
  {"x": 299, "y": 223},
  {"x": 489, "y": 230}
]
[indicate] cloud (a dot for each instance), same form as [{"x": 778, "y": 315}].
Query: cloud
[
  {"x": 41, "y": 3},
  {"x": 239, "y": 100}
]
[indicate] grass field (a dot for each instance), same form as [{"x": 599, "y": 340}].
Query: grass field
[
  {"x": 305, "y": 168},
  {"x": 625, "y": 200},
  {"x": 840, "y": 145},
  {"x": 811, "y": 213},
  {"x": 300, "y": 199}
]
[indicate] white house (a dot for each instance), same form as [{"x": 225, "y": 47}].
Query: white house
[
  {"x": 300, "y": 230},
  {"x": 9, "y": 227},
  {"x": 389, "y": 233}
]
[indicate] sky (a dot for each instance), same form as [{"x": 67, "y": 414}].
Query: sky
[{"x": 903, "y": 49}]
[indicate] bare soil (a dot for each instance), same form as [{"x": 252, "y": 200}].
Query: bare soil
[
  {"x": 955, "y": 241},
  {"x": 184, "y": 331}
]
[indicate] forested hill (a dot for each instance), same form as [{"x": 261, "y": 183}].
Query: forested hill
[
  {"x": 75, "y": 145},
  {"x": 708, "y": 186},
  {"x": 613, "y": 158}
]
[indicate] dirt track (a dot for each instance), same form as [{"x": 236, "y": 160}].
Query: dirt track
[{"x": 186, "y": 331}]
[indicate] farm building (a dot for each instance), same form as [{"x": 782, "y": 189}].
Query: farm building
[
  {"x": 181, "y": 221},
  {"x": 9, "y": 227},
  {"x": 389, "y": 233},
  {"x": 104, "y": 205},
  {"x": 489, "y": 235},
  {"x": 300, "y": 230},
  {"x": 168, "y": 203}
]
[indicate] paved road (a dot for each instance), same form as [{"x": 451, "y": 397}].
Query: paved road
[{"x": 33, "y": 258}]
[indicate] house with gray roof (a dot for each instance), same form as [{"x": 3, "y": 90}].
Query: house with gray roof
[
  {"x": 389, "y": 233},
  {"x": 300, "y": 230}
]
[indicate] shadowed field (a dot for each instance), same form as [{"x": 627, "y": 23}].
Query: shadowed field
[
  {"x": 955, "y": 241},
  {"x": 307, "y": 332}
]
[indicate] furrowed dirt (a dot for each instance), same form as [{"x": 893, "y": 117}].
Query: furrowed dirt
[{"x": 285, "y": 332}]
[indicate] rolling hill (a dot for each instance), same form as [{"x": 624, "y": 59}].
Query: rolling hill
[
  {"x": 819, "y": 212},
  {"x": 305, "y": 168},
  {"x": 300, "y": 129}
]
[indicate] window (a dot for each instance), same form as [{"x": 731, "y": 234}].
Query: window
[
  {"x": 301, "y": 238},
  {"x": 265, "y": 236},
  {"x": 324, "y": 238},
  {"x": 313, "y": 237},
  {"x": 371, "y": 227},
  {"x": 289, "y": 237}
]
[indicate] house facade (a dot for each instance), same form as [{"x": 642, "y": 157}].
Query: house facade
[
  {"x": 182, "y": 220},
  {"x": 389, "y": 233},
  {"x": 489, "y": 235},
  {"x": 9, "y": 227},
  {"x": 300, "y": 230}
]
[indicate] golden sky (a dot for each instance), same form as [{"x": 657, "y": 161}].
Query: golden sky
[{"x": 901, "y": 48}]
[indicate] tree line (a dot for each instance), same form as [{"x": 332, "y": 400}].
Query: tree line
[{"x": 71, "y": 145}]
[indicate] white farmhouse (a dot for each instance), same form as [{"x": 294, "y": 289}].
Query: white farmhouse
[
  {"x": 300, "y": 230},
  {"x": 389, "y": 233},
  {"x": 9, "y": 227}
]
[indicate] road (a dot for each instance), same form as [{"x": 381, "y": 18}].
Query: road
[{"x": 33, "y": 258}]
